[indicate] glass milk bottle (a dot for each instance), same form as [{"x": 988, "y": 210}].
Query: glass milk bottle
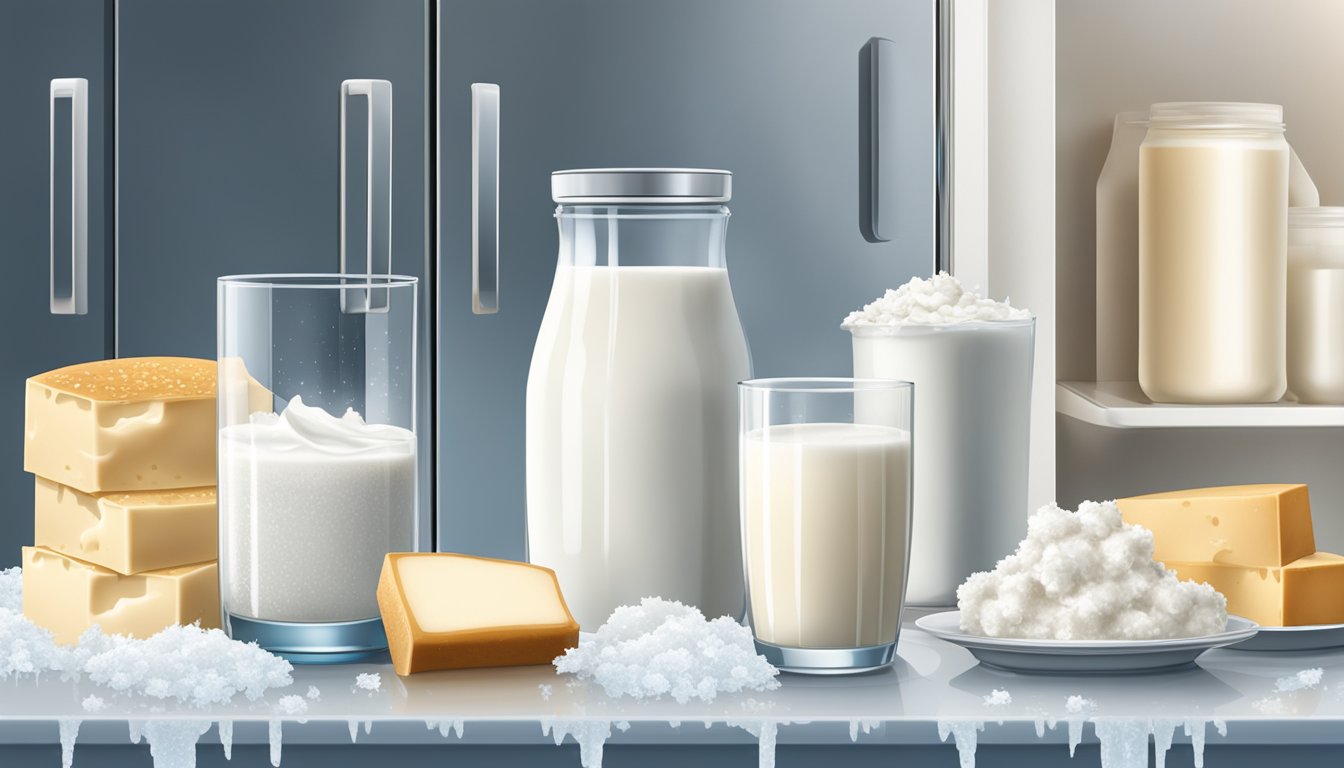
[
  {"x": 1213, "y": 206},
  {"x": 317, "y": 457},
  {"x": 631, "y": 397}
]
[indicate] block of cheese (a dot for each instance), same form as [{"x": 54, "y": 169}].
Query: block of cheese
[
  {"x": 127, "y": 532},
  {"x": 67, "y": 596},
  {"x": 1306, "y": 591},
  {"x": 447, "y": 611},
  {"x": 131, "y": 424},
  {"x": 1254, "y": 525}
]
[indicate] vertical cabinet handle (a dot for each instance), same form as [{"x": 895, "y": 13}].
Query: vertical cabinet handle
[
  {"x": 75, "y": 300},
  {"x": 879, "y": 140},
  {"x": 377, "y": 258},
  {"x": 484, "y": 198}
]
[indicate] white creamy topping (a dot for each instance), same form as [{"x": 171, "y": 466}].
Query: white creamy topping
[
  {"x": 1087, "y": 575},
  {"x": 940, "y": 300},
  {"x": 311, "y": 429}
]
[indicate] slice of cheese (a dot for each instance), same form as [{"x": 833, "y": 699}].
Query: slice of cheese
[
  {"x": 1306, "y": 591},
  {"x": 127, "y": 532},
  {"x": 446, "y": 611},
  {"x": 131, "y": 424},
  {"x": 1253, "y": 525},
  {"x": 67, "y": 596}
]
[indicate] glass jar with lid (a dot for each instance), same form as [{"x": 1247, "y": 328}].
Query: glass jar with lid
[
  {"x": 1213, "y": 205},
  {"x": 1316, "y": 304},
  {"x": 631, "y": 396}
]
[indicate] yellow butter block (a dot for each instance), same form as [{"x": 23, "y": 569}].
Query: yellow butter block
[
  {"x": 128, "y": 532},
  {"x": 67, "y": 596},
  {"x": 1306, "y": 591},
  {"x": 1254, "y": 525},
  {"x": 446, "y": 611},
  {"x": 131, "y": 424}
]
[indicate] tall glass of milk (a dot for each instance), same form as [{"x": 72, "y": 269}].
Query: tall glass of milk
[
  {"x": 317, "y": 457},
  {"x": 631, "y": 401},
  {"x": 825, "y": 488}
]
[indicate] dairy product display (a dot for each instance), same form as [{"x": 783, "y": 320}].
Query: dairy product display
[
  {"x": 970, "y": 462},
  {"x": 1251, "y": 525},
  {"x": 825, "y": 518},
  {"x": 128, "y": 424},
  {"x": 631, "y": 438},
  {"x": 1309, "y": 590},
  {"x": 67, "y": 596},
  {"x": 1316, "y": 304},
  {"x": 127, "y": 532},
  {"x": 1087, "y": 575},
  {"x": 1213, "y": 204},
  {"x": 446, "y": 611},
  {"x": 311, "y": 503}
]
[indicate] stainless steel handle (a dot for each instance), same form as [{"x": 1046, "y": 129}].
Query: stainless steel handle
[
  {"x": 484, "y": 198},
  {"x": 880, "y": 140},
  {"x": 76, "y": 302},
  {"x": 378, "y": 195}
]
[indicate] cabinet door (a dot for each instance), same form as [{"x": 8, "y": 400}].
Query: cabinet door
[
  {"x": 769, "y": 89},
  {"x": 229, "y": 137},
  {"x": 42, "y": 41}
]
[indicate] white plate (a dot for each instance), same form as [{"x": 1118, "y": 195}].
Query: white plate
[
  {"x": 1314, "y": 637},
  {"x": 1083, "y": 656}
]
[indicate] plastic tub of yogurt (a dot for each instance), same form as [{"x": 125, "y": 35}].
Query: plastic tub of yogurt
[{"x": 970, "y": 359}]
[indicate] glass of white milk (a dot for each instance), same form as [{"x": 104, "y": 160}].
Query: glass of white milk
[
  {"x": 825, "y": 499},
  {"x": 317, "y": 457}
]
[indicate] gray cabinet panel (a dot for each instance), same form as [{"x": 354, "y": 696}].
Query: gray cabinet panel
[
  {"x": 768, "y": 89},
  {"x": 41, "y": 40},
  {"x": 229, "y": 155}
]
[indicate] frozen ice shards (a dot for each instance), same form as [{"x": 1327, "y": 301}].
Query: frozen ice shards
[
  {"x": 226, "y": 738},
  {"x": 274, "y": 735},
  {"x": 172, "y": 743},
  {"x": 964, "y": 735},
  {"x": 457, "y": 726},
  {"x": 69, "y": 731},
  {"x": 865, "y": 725},
  {"x": 664, "y": 648},
  {"x": 1078, "y": 709},
  {"x": 1124, "y": 742},
  {"x": 590, "y": 735}
]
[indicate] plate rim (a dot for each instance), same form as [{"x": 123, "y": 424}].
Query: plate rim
[{"x": 1088, "y": 647}]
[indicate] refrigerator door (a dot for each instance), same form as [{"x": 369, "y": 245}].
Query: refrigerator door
[
  {"x": 54, "y": 216},
  {"x": 769, "y": 89},
  {"x": 232, "y": 119}
]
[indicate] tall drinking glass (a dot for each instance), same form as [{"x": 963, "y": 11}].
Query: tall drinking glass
[
  {"x": 825, "y": 499},
  {"x": 317, "y": 457}
]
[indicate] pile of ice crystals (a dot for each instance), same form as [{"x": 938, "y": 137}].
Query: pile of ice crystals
[
  {"x": 664, "y": 648},
  {"x": 939, "y": 300}
]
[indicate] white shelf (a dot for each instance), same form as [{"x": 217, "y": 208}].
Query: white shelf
[{"x": 1122, "y": 405}]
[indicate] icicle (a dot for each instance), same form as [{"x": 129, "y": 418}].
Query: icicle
[
  {"x": 1163, "y": 731},
  {"x": 765, "y": 750},
  {"x": 459, "y": 727},
  {"x": 137, "y": 728},
  {"x": 866, "y": 726},
  {"x": 964, "y": 734},
  {"x": 368, "y": 727},
  {"x": 591, "y": 736},
  {"x": 674, "y": 723},
  {"x": 274, "y": 737},
  {"x": 1194, "y": 728},
  {"x": 226, "y": 738},
  {"x": 1040, "y": 727},
  {"x": 354, "y": 730},
  {"x": 1124, "y": 743},
  {"x": 69, "y": 731},
  {"x": 172, "y": 743}
]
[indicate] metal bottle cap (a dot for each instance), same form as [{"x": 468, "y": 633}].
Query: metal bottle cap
[{"x": 659, "y": 186}]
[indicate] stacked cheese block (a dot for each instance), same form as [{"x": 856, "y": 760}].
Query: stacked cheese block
[
  {"x": 126, "y": 533},
  {"x": 1253, "y": 543}
]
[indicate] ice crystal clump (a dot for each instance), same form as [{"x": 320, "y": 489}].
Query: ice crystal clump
[
  {"x": 194, "y": 666},
  {"x": 292, "y": 705},
  {"x": 1303, "y": 680},
  {"x": 368, "y": 681},
  {"x": 664, "y": 648},
  {"x": 998, "y": 698},
  {"x": 313, "y": 693},
  {"x": 93, "y": 703},
  {"x": 939, "y": 300},
  {"x": 1086, "y": 575}
]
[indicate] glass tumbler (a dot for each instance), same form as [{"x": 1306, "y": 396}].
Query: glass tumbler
[
  {"x": 825, "y": 499},
  {"x": 317, "y": 457}
]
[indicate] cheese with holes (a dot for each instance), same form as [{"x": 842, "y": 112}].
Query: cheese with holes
[
  {"x": 1309, "y": 590},
  {"x": 128, "y": 532},
  {"x": 67, "y": 596},
  {"x": 130, "y": 424},
  {"x": 446, "y": 611},
  {"x": 1252, "y": 525}
]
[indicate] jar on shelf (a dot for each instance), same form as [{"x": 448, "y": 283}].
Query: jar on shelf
[
  {"x": 1213, "y": 207},
  {"x": 1316, "y": 304}
]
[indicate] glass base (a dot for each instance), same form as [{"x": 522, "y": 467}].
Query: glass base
[
  {"x": 828, "y": 661},
  {"x": 306, "y": 642}
]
